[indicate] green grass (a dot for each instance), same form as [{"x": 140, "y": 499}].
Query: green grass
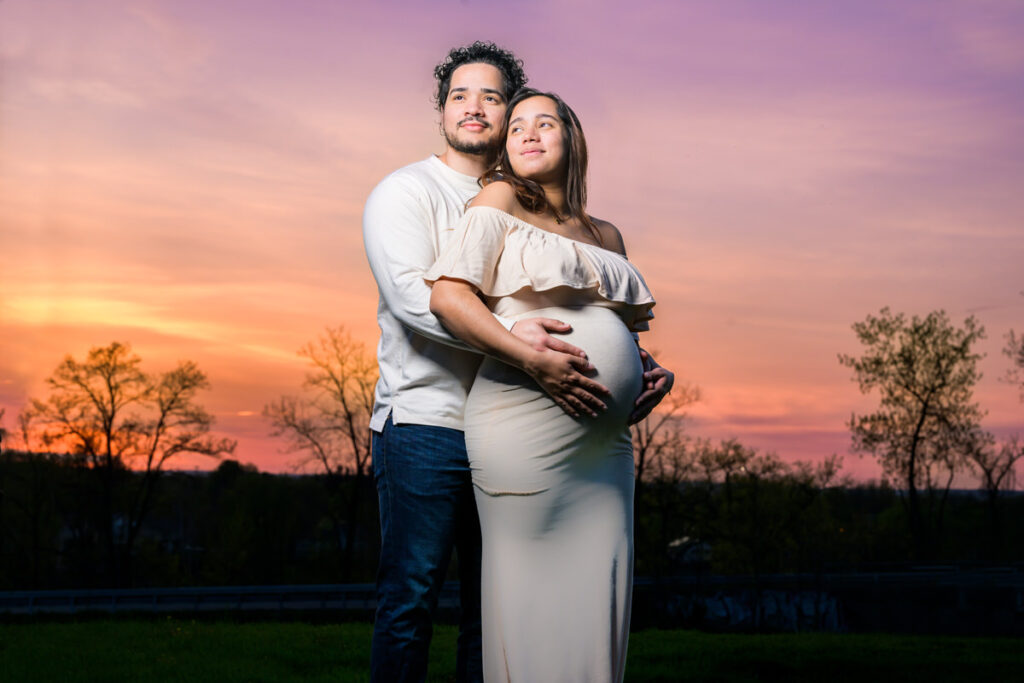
[{"x": 174, "y": 649}]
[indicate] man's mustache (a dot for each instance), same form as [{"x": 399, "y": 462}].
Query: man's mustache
[{"x": 474, "y": 119}]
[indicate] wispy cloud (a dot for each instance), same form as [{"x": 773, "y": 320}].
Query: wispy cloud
[{"x": 190, "y": 176}]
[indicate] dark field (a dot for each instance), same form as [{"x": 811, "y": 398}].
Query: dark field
[{"x": 174, "y": 649}]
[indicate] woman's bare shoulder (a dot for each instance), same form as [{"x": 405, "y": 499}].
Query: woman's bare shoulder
[
  {"x": 610, "y": 235},
  {"x": 496, "y": 195}
]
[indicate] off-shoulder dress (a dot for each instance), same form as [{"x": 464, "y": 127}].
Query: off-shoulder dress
[{"x": 554, "y": 493}]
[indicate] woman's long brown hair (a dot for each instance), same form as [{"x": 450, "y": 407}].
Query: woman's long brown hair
[{"x": 530, "y": 194}]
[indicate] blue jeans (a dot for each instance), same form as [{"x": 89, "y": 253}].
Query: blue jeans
[{"x": 426, "y": 509}]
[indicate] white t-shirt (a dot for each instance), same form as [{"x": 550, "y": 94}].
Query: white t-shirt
[{"x": 425, "y": 373}]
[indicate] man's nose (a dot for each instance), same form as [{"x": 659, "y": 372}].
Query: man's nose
[{"x": 473, "y": 106}]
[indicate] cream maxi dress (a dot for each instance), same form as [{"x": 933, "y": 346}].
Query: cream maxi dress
[{"x": 555, "y": 493}]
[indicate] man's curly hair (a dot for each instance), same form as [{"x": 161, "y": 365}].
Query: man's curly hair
[{"x": 510, "y": 67}]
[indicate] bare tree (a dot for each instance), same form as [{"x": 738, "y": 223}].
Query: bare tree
[
  {"x": 997, "y": 469},
  {"x": 330, "y": 423},
  {"x": 110, "y": 417},
  {"x": 660, "y": 433},
  {"x": 823, "y": 474},
  {"x": 1014, "y": 350},
  {"x": 927, "y": 422},
  {"x": 728, "y": 461},
  {"x": 997, "y": 465}
]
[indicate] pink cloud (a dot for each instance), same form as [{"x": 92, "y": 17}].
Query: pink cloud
[{"x": 190, "y": 176}]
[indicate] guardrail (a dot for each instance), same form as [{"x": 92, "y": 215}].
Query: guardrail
[
  {"x": 360, "y": 597},
  {"x": 939, "y": 599},
  {"x": 925, "y": 598}
]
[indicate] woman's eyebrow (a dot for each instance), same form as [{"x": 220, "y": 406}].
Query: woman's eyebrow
[{"x": 538, "y": 116}]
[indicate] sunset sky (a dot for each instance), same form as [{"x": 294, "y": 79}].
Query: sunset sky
[{"x": 189, "y": 177}]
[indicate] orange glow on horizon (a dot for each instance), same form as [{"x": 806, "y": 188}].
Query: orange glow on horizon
[{"x": 777, "y": 174}]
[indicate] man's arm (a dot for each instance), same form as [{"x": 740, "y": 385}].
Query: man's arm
[
  {"x": 400, "y": 248},
  {"x": 658, "y": 382}
]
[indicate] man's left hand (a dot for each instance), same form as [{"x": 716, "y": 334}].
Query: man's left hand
[{"x": 657, "y": 383}]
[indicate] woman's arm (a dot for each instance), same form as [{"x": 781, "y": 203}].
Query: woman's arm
[
  {"x": 455, "y": 303},
  {"x": 461, "y": 311}
]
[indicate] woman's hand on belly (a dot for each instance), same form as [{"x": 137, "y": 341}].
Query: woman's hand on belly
[
  {"x": 537, "y": 333},
  {"x": 658, "y": 383},
  {"x": 561, "y": 376}
]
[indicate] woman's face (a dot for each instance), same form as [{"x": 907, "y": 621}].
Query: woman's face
[{"x": 536, "y": 149}]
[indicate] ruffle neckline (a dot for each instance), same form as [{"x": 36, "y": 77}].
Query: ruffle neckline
[{"x": 501, "y": 254}]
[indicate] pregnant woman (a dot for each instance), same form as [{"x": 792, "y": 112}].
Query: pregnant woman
[{"x": 553, "y": 478}]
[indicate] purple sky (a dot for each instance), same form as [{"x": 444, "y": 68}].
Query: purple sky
[{"x": 189, "y": 177}]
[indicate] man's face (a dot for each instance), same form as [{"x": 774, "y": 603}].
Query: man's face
[{"x": 474, "y": 108}]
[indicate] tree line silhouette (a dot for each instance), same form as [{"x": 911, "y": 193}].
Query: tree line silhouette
[{"x": 87, "y": 499}]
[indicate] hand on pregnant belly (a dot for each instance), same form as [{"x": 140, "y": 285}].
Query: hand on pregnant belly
[
  {"x": 562, "y": 376},
  {"x": 613, "y": 354}
]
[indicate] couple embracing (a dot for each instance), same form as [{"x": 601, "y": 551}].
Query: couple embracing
[{"x": 509, "y": 374}]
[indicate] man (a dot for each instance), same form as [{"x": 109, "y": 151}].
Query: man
[{"x": 419, "y": 456}]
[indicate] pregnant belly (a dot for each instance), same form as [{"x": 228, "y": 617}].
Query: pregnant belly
[
  {"x": 507, "y": 411},
  {"x": 609, "y": 346},
  {"x": 611, "y": 350}
]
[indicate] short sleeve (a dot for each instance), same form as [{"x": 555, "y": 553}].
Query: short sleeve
[
  {"x": 500, "y": 255},
  {"x": 473, "y": 252}
]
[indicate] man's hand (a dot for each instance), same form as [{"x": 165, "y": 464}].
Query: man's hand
[
  {"x": 535, "y": 332},
  {"x": 561, "y": 376},
  {"x": 657, "y": 383}
]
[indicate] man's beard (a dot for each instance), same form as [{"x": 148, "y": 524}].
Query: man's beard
[{"x": 484, "y": 148}]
